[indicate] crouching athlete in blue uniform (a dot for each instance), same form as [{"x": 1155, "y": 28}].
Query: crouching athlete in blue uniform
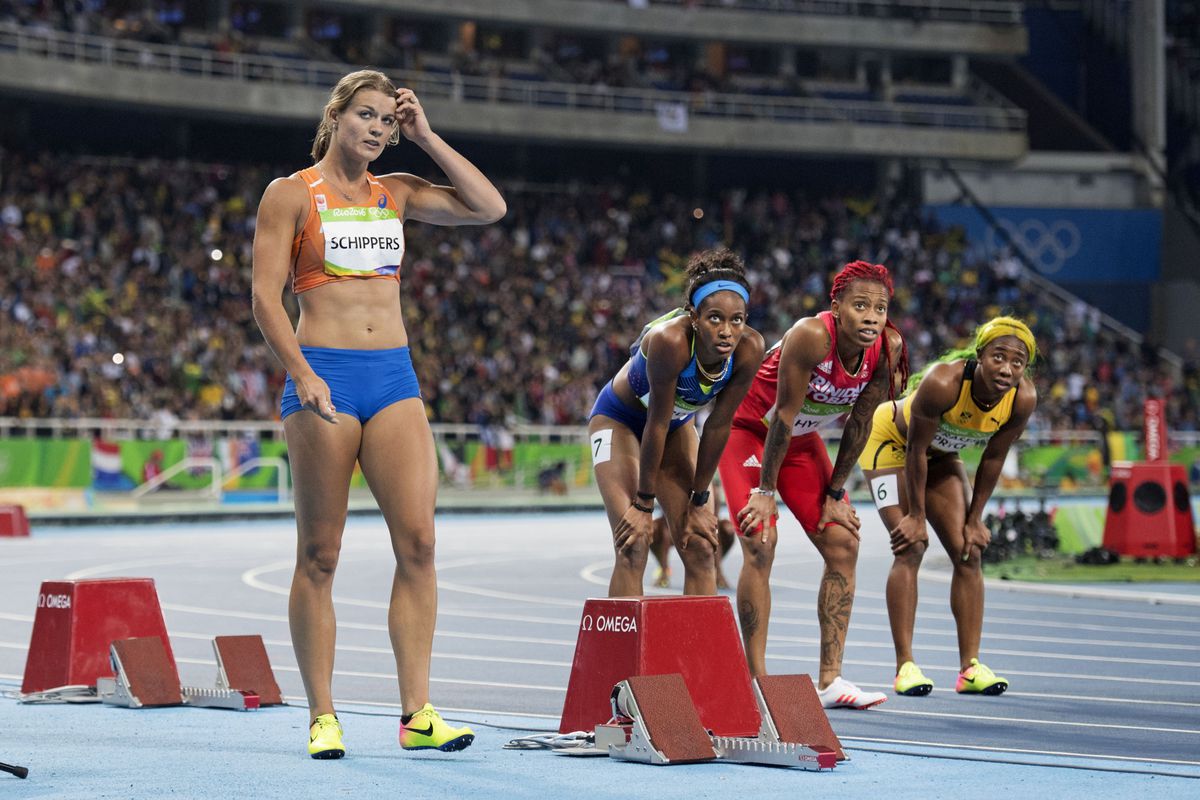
[{"x": 643, "y": 437}]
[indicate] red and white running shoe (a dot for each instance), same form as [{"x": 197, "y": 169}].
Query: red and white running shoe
[{"x": 841, "y": 693}]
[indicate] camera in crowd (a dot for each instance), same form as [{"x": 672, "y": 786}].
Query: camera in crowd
[{"x": 1016, "y": 533}]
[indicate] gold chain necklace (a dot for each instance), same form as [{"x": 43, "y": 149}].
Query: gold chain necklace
[
  {"x": 706, "y": 374},
  {"x": 339, "y": 189}
]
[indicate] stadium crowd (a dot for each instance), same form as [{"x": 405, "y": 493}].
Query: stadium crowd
[
  {"x": 125, "y": 292},
  {"x": 552, "y": 55}
]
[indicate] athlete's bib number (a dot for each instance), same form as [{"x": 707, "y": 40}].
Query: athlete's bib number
[
  {"x": 601, "y": 446},
  {"x": 886, "y": 491}
]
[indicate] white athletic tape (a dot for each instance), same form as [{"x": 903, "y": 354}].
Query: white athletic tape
[
  {"x": 885, "y": 490},
  {"x": 601, "y": 446}
]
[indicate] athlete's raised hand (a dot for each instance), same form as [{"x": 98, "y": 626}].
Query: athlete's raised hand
[{"x": 410, "y": 116}]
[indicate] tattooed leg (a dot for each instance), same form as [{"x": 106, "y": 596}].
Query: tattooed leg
[
  {"x": 839, "y": 549},
  {"x": 834, "y": 602}
]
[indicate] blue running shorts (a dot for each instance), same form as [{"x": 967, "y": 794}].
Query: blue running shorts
[
  {"x": 361, "y": 382},
  {"x": 609, "y": 405}
]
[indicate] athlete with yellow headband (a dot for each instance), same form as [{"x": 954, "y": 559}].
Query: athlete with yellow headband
[{"x": 978, "y": 396}]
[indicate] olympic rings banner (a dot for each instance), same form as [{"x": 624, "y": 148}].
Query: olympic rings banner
[{"x": 1069, "y": 245}]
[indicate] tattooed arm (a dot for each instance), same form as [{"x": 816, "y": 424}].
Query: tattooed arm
[{"x": 854, "y": 438}]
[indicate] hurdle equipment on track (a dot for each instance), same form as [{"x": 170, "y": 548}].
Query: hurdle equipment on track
[
  {"x": 696, "y": 637},
  {"x": 74, "y": 625},
  {"x": 143, "y": 678},
  {"x": 655, "y": 722}
]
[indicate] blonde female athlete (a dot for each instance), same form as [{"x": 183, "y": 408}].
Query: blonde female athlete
[
  {"x": 642, "y": 429},
  {"x": 972, "y": 397},
  {"x": 336, "y": 232},
  {"x": 841, "y": 361}
]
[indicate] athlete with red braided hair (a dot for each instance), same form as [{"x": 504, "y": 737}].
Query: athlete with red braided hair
[{"x": 847, "y": 359}]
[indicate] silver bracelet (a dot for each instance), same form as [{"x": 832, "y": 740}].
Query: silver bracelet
[{"x": 764, "y": 492}]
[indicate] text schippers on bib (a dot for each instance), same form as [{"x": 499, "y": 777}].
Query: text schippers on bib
[{"x": 362, "y": 240}]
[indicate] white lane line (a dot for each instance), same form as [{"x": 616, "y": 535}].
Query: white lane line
[
  {"x": 991, "y": 619},
  {"x": 366, "y": 626},
  {"x": 442, "y": 612},
  {"x": 590, "y": 573},
  {"x": 497, "y": 595},
  {"x": 1086, "y": 698},
  {"x": 1081, "y": 698},
  {"x": 560, "y": 689},
  {"x": 777, "y": 639},
  {"x": 392, "y": 677},
  {"x": 773, "y": 656},
  {"x": 387, "y": 651},
  {"x": 301, "y": 700},
  {"x": 1027, "y": 721},
  {"x": 1129, "y": 598},
  {"x": 890, "y": 666},
  {"x": 990, "y": 635},
  {"x": 1082, "y": 592},
  {"x": 982, "y": 748},
  {"x": 570, "y": 623},
  {"x": 251, "y": 578},
  {"x": 596, "y": 573},
  {"x": 119, "y": 566}
]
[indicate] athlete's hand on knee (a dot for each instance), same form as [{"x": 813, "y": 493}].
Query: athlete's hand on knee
[
  {"x": 313, "y": 394},
  {"x": 911, "y": 530},
  {"x": 975, "y": 534},
  {"x": 634, "y": 525},
  {"x": 700, "y": 524},
  {"x": 837, "y": 512},
  {"x": 758, "y": 515}
]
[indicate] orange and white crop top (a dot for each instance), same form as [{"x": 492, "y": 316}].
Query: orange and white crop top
[{"x": 342, "y": 240}]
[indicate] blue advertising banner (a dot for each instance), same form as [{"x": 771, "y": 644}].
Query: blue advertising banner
[{"x": 1070, "y": 245}]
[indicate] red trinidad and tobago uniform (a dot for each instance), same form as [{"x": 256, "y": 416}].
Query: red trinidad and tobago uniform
[{"x": 806, "y": 469}]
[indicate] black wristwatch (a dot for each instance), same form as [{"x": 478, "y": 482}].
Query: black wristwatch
[
  {"x": 701, "y": 498},
  {"x": 835, "y": 494}
]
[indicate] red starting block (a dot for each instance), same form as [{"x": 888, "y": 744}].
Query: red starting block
[
  {"x": 75, "y": 623},
  {"x": 144, "y": 677},
  {"x": 13, "y": 521},
  {"x": 654, "y": 722},
  {"x": 696, "y": 637}
]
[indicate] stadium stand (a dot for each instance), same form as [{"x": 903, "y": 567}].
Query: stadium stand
[
  {"x": 150, "y": 260},
  {"x": 580, "y": 263}
]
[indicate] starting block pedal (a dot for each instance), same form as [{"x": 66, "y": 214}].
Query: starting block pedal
[
  {"x": 655, "y": 722},
  {"x": 792, "y": 712},
  {"x": 243, "y": 665},
  {"x": 144, "y": 677}
]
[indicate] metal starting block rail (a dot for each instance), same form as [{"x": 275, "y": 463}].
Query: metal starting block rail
[{"x": 655, "y": 722}]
